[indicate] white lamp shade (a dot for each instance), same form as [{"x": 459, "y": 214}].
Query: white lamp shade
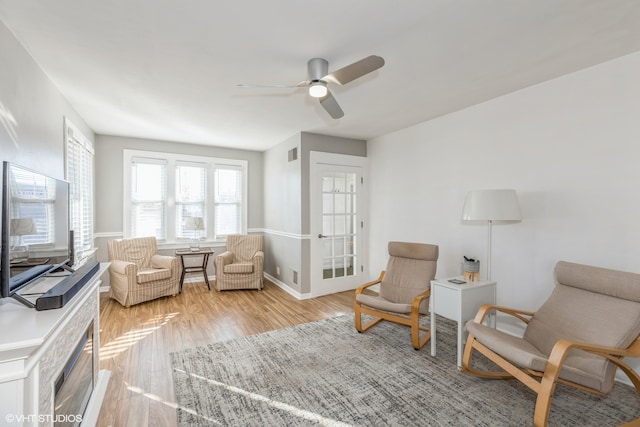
[
  {"x": 497, "y": 206},
  {"x": 23, "y": 226},
  {"x": 194, "y": 223}
]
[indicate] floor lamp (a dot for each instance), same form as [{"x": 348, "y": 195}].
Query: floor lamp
[{"x": 492, "y": 207}]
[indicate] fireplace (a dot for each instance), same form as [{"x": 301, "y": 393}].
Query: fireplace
[{"x": 74, "y": 385}]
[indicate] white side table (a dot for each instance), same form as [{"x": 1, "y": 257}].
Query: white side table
[{"x": 459, "y": 303}]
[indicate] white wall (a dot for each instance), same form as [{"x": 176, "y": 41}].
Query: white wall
[
  {"x": 286, "y": 206},
  {"x": 570, "y": 147},
  {"x": 282, "y": 218},
  {"x": 32, "y": 111}
]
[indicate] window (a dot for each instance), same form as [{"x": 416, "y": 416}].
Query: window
[
  {"x": 162, "y": 190},
  {"x": 148, "y": 197},
  {"x": 228, "y": 199},
  {"x": 33, "y": 197},
  {"x": 79, "y": 173},
  {"x": 191, "y": 200}
]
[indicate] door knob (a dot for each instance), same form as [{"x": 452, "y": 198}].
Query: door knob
[{"x": 320, "y": 236}]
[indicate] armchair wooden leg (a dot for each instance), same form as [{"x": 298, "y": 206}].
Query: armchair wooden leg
[
  {"x": 543, "y": 402},
  {"x": 358, "y": 319},
  {"x": 633, "y": 375},
  {"x": 416, "y": 341},
  {"x": 466, "y": 362}
]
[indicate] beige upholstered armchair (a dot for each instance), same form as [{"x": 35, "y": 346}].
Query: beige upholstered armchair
[
  {"x": 578, "y": 337},
  {"x": 240, "y": 266},
  {"x": 138, "y": 273},
  {"x": 405, "y": 287}
]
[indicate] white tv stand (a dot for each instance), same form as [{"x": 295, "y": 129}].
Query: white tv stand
[{"x": 35, "y": 345}]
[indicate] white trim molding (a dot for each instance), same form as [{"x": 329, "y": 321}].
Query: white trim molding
[
  {"x": 287, "y": 288},
  {"x": 286, "y": 234}
]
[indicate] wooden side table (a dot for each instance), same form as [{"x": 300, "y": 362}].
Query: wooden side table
[
  {"x": 204, "y": 253},
  {"x": 459, "y": 302}
]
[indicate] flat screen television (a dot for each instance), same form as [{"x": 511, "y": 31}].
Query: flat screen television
[{"x": 35, "y": 227}]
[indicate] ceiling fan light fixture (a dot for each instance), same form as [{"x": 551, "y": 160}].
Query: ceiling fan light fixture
[{"x": 318, "y": 89}]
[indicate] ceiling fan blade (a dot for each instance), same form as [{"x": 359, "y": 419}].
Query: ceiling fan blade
[
  {"x": 357, "y": 69},
  {"x": 331, "y": 105},
  {"x": 272, "y": 86}
]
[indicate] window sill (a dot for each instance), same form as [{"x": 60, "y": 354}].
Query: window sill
[{"x": 182, "y": 245}]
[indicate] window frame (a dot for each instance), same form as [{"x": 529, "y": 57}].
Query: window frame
[
  {"x": 173, "y": 160},
  {"x": 84, "y": 181}
]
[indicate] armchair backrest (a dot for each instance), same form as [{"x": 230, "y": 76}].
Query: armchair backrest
[
  {"x": 593, "y": 305},
  {"x": 410, "y": 269},
  {"x": 138, "y": 250},
  {"x": 589, "y": 304},
  {"x": 244, "y": 246}
]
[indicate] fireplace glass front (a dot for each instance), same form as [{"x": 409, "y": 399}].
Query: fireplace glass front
[{"x": 74, "y": 385}]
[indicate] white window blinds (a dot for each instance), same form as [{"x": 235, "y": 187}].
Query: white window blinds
[
  {"x": 148, "y": 197},
  {"x": 166, "y": 194},
  {"x": 228, "y": 199},
  {"x": 191, "y": 201},
  {"x": 33, "y": 198},
  {"x": 79, "y": 173}
]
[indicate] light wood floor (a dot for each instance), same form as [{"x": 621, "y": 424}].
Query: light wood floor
[{"x": 135, "y": 342}]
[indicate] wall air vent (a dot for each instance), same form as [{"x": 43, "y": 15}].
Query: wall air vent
[{"x": 293, "y": 154}]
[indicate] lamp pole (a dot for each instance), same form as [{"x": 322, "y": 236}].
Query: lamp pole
[{"x": 489, "y": 251}]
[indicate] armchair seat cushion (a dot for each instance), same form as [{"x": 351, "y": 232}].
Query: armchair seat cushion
[
  {"x": 238, "y": 268},
  {"x": 380, "y": 303},
  {"x": 579, "y": 367},
  {"x": 153, "y": 274},
  {"x": 515, "y": 349}
]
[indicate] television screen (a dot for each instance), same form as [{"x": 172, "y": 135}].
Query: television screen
[{"x": 35, "y": 226}]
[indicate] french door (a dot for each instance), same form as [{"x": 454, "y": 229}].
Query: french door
[{"x": 337, "y": 222}]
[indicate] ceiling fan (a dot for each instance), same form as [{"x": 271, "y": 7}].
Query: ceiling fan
[{"x": 319, "y": 77}]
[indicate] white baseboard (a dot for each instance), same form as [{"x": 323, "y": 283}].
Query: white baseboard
[{"x": 287, "y": 288}]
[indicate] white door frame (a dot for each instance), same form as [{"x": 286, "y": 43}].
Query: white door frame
[{"x": 319, "y": 286}]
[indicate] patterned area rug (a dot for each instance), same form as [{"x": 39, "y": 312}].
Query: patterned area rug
[{"x": 325, "y": 373}]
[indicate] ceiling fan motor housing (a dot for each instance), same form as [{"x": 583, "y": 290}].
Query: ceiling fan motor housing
[{"x": 317, "y": 68}]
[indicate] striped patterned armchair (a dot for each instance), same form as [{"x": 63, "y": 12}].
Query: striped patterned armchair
[
  {"x": 240, "y": 266},
  {"x": 138, "y": 273}
]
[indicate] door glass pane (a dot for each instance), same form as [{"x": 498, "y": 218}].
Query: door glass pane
[
  {"x": 338, "y": 247},
  {"x": 351, "y": 182},
  {"x": 327, "y": 203},
  {"x": 351, "y": 246},
  {"x": 350, "y": 203},
  {"x": 327, "y": 252},
  {"x": 350, "y": 263},
  {"x": 327, "y": 183},
  {"x": 340, "y": 203},
  {"x": 339, "y": 184},
  {"x": 327, "y": 225},
  {"x": 339, "y": 224}
]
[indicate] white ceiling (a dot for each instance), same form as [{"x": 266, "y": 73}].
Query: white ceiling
[{"x": 168, "y": 69}]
